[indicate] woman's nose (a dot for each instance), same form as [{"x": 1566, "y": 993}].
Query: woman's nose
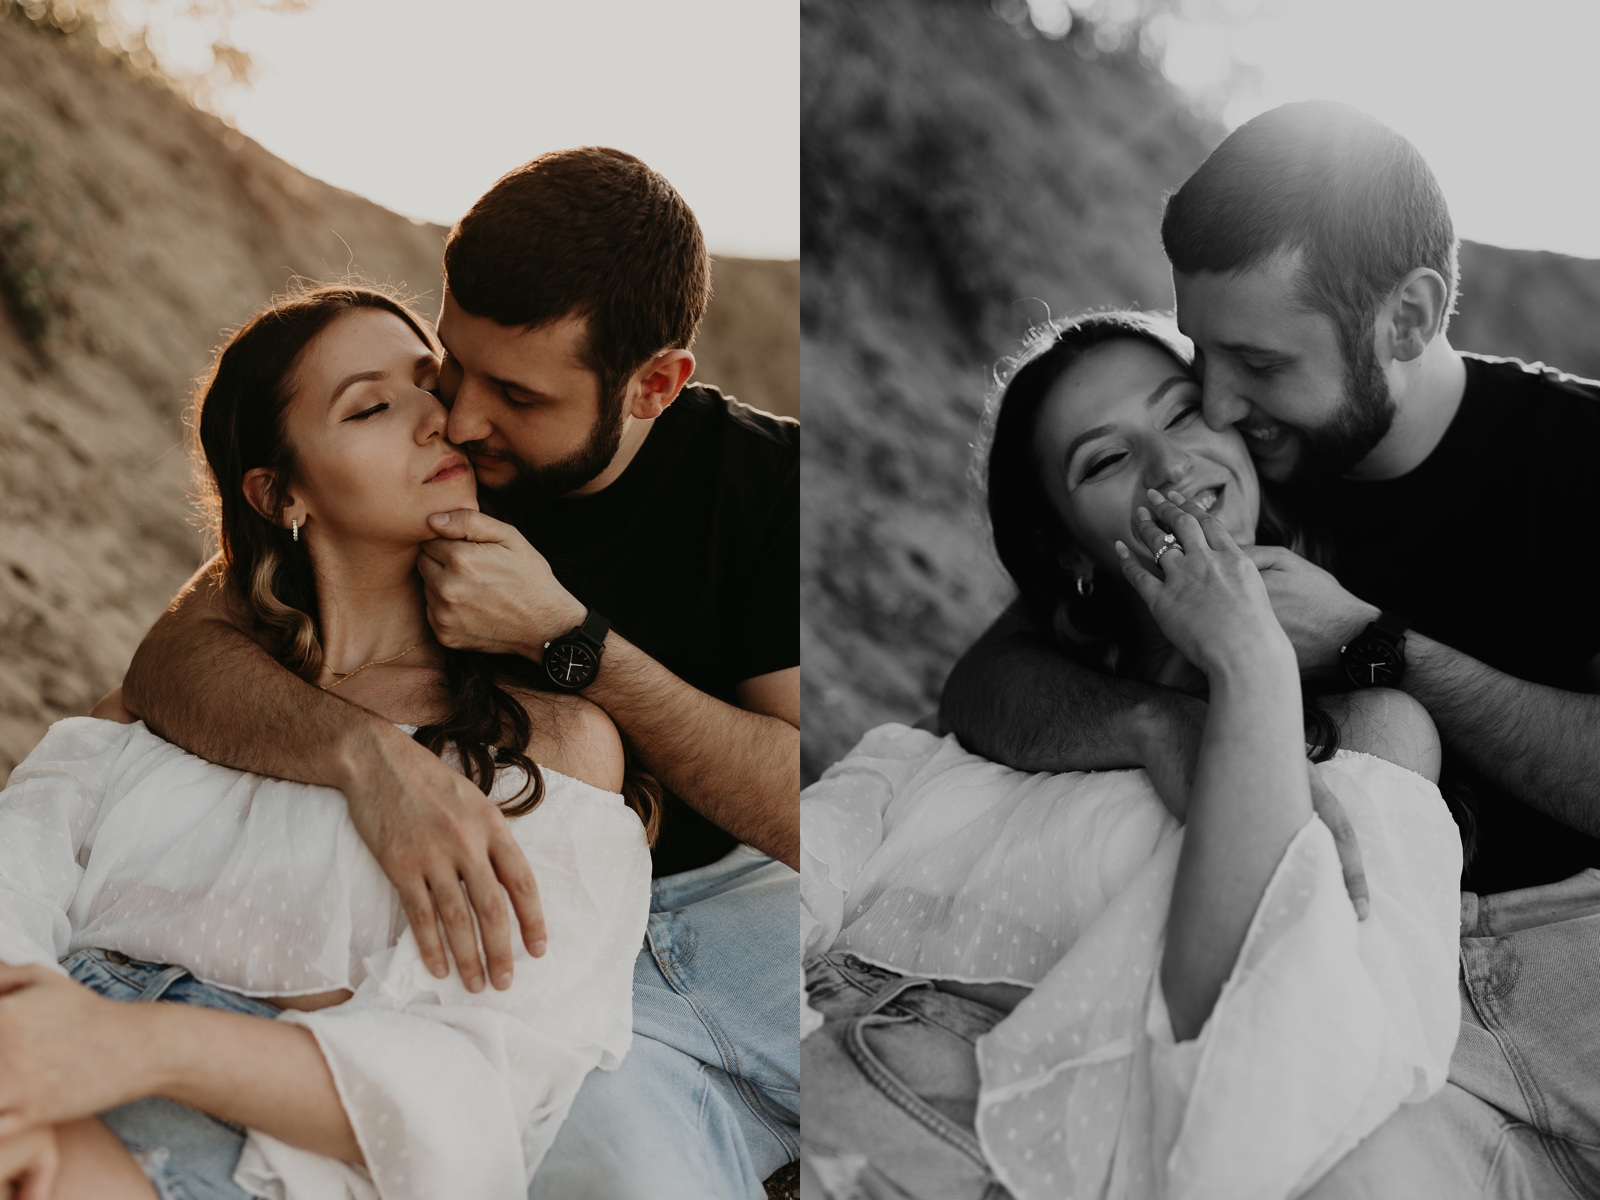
[
  {"x": 1169, "y": 466},
  {"x": 435, "y": 418}
]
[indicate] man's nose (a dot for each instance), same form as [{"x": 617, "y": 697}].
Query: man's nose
[
  {"x": 1220, "y": 402},
  {"x": 469, "y": 420}
]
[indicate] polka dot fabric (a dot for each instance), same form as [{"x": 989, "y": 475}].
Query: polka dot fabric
[
  {"x": 928, "y": 860},
  {"x": 113, "y": 838}
]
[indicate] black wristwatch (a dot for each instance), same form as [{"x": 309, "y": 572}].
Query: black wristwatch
[
  {"x": 1376, "y": 657},
  {"x": 572, "y": 662}
]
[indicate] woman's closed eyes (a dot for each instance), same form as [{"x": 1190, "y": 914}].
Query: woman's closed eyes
[{"x": 1182, "y": 415}]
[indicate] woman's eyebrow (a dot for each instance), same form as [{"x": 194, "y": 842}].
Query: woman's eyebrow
[
  {"x": 1166, "y": 386},
  {"x": 357, "y": 377},
  {"x": 1088, "y": 435}
]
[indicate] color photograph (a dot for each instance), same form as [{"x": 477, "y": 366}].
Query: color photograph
[{"x": 399, "y": 600}]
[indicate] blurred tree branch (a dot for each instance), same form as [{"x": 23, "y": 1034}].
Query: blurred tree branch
[{"x": 132, "y": 38}]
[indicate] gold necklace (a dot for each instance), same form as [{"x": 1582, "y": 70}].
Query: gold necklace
[{"x": 377, "y": 662}]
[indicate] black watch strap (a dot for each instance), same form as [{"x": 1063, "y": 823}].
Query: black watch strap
[
  {"x": 1390, "y": 624},
  {"x": 594, "y": 629}
]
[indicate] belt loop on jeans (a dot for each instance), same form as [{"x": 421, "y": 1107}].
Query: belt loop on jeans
[
  {"x": 158, "y": 986},
  {"x": 892, "y": 990}
]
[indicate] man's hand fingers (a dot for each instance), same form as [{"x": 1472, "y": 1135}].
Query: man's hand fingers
[
  {"x": 418, "y": 903},
  {"x": 488, "y": 901},
  {"x": 1327, "y": 807},
  {"x": 465, "y": 524},
  {"x": 516, "y": 876},
  {"x": 451, "y": 900}
]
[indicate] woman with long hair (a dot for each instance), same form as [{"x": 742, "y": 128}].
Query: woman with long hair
[
  {"x": 311, "y": 1054},
  {"x": 1127, "y": 1001}
]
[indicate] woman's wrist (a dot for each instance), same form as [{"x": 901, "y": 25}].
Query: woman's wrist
[
  {"x": 1265, "y": 657},
  {"x": 149, "y": 1062}
]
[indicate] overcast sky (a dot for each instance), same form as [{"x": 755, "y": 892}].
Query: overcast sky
[{"x": 420, "y": 105}]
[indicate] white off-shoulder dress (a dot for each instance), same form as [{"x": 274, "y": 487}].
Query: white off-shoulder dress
[
  {"x": 113, "y": 838},
  {"x": 931, "y": 861}
]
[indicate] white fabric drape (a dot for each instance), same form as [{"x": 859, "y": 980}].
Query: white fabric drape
[
  {"x": 113, "y": 838},
  {"x": 931, "y": 861}
]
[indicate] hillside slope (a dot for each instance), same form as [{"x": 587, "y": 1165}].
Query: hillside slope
[
  {"x": 958, "y": 182},
  {"x": 950, "y": 169},
  {"x": 160, "y": 227}
]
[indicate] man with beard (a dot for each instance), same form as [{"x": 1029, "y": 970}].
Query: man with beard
[
  {"x": 664, "y": 589},
  {"x": 1314, "y": 266}
]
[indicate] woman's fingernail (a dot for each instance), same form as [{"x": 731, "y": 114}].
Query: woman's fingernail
[
  {"x": 503, "y": 980},
  {"x": 1154, "y": 495},
  {"x": 439, "y": 970},
  {"x": 1122, "y": 551},
  {"x": 539, "y": 948},
  {"x": 1175, "y": 497},
  {"x": 1142, "y": 513},
  {"x": 440, "y": 519}
]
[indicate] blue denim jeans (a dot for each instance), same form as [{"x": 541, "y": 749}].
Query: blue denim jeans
[
  {"x": 892, "y": 1086},
  {"x": 707, "y": 1102},
  {"x": 1520, "y": 1115},
  {"x": 186, "y": 1154}
]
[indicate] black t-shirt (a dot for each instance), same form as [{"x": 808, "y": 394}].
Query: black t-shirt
[
  {"x": 693, "y": 554},
  {"x": 1487, "y": 547}
]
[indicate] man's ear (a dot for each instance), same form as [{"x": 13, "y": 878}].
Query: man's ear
[
  {"x": 261, "y": 491},
  {"x": 658, "y": 382},
  {"x": 1414, "y": 314}
]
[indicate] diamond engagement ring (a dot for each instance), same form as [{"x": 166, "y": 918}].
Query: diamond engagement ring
[{"x": 1170, "y": 545}]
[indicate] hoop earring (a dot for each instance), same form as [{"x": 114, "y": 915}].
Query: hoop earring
[
  {"x": 1085, "y": 586},
  {"x": 295, "y": 526}
]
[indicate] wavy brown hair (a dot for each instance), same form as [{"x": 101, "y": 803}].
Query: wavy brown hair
[{"x": 238, "y": 418}]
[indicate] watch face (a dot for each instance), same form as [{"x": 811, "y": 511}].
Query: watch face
[
  {"x": 1372, "y": 662},
  {"x": 570, "y": 664}
]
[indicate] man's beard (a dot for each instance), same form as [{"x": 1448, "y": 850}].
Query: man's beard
[
  {"x": 532, "y": 485},
  {"x": 1330, "y": 450}
]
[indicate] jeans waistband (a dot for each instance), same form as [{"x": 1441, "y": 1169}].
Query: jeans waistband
[
  {"x": 1502, "y": 913},
  {"x": 871, "y": 988}
]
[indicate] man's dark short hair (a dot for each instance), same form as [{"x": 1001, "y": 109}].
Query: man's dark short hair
[
  {"x": 1325, "y": 179},
  {"x": 592, "y": 233}
]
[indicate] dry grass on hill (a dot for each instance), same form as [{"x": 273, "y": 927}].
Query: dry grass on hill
[{"x": 136, "y": 228}]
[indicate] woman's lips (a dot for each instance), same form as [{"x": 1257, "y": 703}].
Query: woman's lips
[{"x": 454, "y": 470}]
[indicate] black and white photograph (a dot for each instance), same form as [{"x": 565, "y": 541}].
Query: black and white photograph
[{"x": 1200, "y": 646}]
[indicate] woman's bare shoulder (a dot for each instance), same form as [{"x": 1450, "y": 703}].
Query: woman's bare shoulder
[
  {"x": 1388, "y": 724},
  {"x": 575, "y": 737}
]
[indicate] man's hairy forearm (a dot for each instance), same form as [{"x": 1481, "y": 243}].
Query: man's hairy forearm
[
  {"x": 1016, "y": 699},
  {"x": 738, "y": 769},
  {"x": 1539, "y": 743},
  {"x": 203, "y": 684}
]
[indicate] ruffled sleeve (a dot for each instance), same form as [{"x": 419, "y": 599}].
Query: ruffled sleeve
[
  {"x": 47, "y": 814},
  {"x": 455, "y": 1094},
  {"x": 1324, "y": 1028},
  {"x": 842, "y": 823}
]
